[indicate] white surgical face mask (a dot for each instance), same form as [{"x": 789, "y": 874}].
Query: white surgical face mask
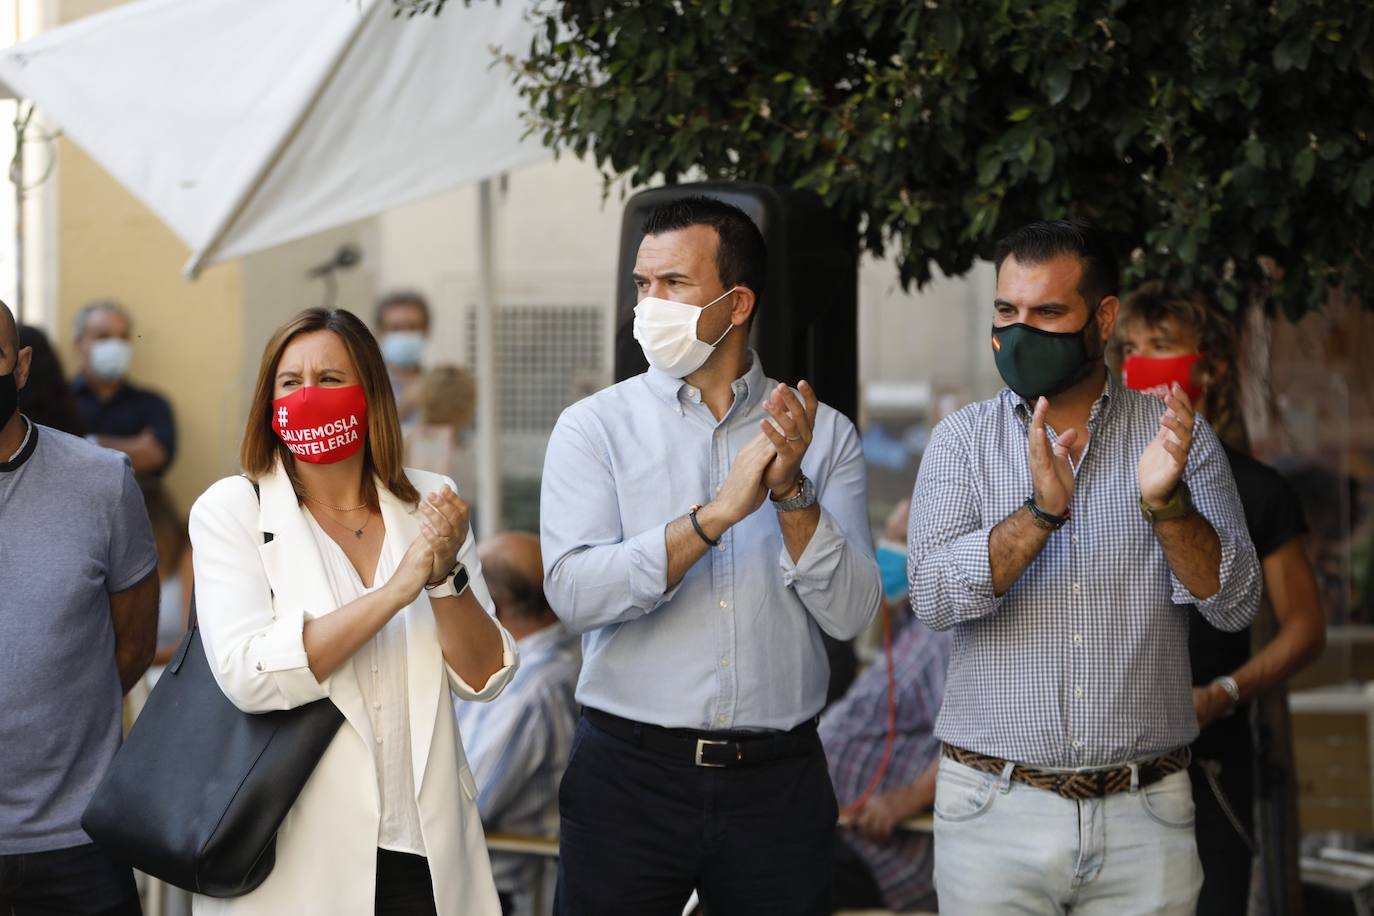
[
  {"x": 403, "y": 349},
  {"x": 667, "y": 333},
  {"x": 110, "y": 358}
]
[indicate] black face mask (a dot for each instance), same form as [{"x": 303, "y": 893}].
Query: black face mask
[
  {"x": 1034, "y": 362},
  {"x": 9, "y": 397}
]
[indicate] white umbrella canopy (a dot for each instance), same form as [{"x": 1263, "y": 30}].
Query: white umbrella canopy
[{"x": 247, "y": 123}]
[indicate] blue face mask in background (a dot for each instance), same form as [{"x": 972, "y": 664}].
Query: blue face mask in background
[{"x": 892, "y": 568}]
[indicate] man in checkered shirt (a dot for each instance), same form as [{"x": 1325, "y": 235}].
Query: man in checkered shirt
[{"x": 1064, "y": 531}]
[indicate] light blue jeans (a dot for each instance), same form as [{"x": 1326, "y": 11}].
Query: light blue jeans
[{"x": 1006, "y": 848}]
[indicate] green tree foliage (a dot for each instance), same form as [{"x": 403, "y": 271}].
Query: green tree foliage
[{"x": 1204, "y": 135}]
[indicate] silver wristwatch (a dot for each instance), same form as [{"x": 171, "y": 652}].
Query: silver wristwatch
[
  {"x": 803, "y": 500},
  {"x": 453, "y": 585}
]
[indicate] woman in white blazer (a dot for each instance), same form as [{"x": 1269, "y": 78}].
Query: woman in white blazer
[{"x": 368, "y": 592}]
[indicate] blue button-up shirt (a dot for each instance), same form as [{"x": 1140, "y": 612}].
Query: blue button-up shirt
[
  {"x": 737, "y": 643},
  {"x": 1083, "y": 662},
  {"x": 518, "y": 746}
]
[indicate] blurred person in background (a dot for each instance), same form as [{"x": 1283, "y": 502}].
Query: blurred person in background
[
  {"x": 78, "y": 626},
  {"x": 877, "y": 862},
  {"x": 47, "y": 399},
  {"x": 174, "y": 572},
  {"x": 402, "y": 322},
  {"x": 1165, "y": 337},
  {"x": 518, "y": 745},
  {"x": 437, "y": 440},
  {"x": 116, "y": 413}
]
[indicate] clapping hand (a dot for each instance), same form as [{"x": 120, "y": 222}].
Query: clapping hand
[
  {"x": 791, "y": 437},
  {"x": 1162, "y": 462},
  {"x": 1051, "y": 471}
]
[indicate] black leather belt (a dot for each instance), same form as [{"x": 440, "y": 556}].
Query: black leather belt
[{"x": 709, "y": 749}]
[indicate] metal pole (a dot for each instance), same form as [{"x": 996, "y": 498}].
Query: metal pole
[
  {"x": 488, "y": 424},
  {"x": 17, "y": 177}
]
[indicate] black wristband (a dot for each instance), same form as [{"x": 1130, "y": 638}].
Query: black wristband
[
  {"x": 696, "y": 526},
  {"x": 1043, "y": 519}
]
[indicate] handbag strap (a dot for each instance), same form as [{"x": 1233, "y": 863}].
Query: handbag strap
[{"x": 193, "y": 624}]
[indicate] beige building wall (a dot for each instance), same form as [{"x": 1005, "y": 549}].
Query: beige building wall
[{"x": 188, "y": 337}]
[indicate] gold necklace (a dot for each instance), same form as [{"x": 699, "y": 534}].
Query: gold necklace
[
  {"x": 357, "y": 532},
  {"x": 316, "y": 499}
]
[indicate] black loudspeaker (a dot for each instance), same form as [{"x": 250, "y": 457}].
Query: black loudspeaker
[{"x": 806, "y": 323}]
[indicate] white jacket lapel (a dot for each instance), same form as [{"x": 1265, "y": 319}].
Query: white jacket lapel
[{"x": 296, "y": 574}]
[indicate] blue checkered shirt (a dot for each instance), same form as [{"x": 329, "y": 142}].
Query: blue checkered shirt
[{"x": 1083, "y": 662}]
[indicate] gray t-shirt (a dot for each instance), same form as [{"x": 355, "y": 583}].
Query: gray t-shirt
[{"x": 73, "y": 530}]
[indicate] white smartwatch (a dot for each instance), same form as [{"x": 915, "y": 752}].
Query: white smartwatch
[{"x": 453, "y": 585}]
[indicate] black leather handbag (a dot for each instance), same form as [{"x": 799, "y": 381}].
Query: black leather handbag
[{"x": 196, "y": 793}]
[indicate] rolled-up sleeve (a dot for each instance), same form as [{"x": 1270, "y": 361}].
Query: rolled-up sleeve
[
  {"x": 948, "y": 570},
  {"x": 836, "y": 577},
  {"x": 1214, "y": 494},
  {"x": 256, "y": 652},
  {"x": 594, "y": 575}
]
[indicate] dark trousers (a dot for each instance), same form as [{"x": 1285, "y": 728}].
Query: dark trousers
[
  {"x": 1226, "y": 859},
  {"x": 641, "y": 830},
  {"x": 403, "y": 885},
  {"x": 79, "y": 881}
]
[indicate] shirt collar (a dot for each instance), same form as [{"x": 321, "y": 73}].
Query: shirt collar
[
  {"x": 25, "y": 448},
  {"x": 1101, "y": 407},
  {"x": 748, "y": 388}
]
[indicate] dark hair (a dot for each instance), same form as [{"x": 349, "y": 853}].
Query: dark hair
[
  {"x": 402, "y": 297},
  {"x": 741, "y": 255},
  {"x": 1041, "y": 241},
  {"x": 262, "y": 448},
  {"x": 47, "y": 399},
  {"x": 1218, "y": 340}
]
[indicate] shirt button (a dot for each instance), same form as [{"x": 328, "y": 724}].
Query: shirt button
[
  {"x": 379, "y": 739},
  {"x": 1076, "y": 587},
  {"x": 721, "y": 719},
  {"x": 721, "y": 547},
  {"x": 1076, "y": 744},
  {"x": 725, "y": 604},
  {"x": 725, "y": 663},
  {"x": 1073, "y": 539},
  {"x": 259, "y": 666},
  {"x": 377, "y": 704},
  {"x": 1078, "y": 692},
  {"x": 1077, "y": 639}
]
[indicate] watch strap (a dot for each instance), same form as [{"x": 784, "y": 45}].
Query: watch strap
[
  {"x": 452, "y": 585},
  {"x": 803, "y": 500},
  {"x": 1178, "y": 506}
]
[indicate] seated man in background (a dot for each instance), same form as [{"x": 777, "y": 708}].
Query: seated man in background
[
  {"x": 518, "y": 746},
  {"x": 878, "y": 864},
  {"x": 115, "y": 413}
]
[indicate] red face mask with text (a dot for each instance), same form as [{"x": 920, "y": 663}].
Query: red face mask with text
[
  {"x": 1155, "y": 375},
  {"x": 321, "y": 425}
]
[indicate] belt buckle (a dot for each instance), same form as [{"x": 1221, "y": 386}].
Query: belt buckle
[{"x": 701, "y": 746}]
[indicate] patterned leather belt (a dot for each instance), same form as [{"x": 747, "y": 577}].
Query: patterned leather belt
[{"x": 1076, "y": 785}]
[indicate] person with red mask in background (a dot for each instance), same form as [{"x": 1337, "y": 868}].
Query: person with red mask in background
[{"x": 1165, "y": 336}]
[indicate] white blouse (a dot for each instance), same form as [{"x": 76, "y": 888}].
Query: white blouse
[{"x": 380, "y": 667}]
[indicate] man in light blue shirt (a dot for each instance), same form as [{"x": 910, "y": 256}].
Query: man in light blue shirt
[
  {"x": 701, "y": 609},
  {"x": 518, "y": 744}
]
